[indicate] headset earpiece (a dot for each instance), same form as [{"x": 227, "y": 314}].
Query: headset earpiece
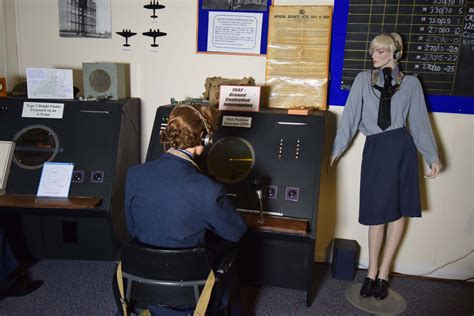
[
  {"x": 397, "y": 54},
  {"x": 206, "y": 139}
]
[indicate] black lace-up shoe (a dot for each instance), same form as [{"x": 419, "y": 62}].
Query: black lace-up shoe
[
  {"x": 381, "y": 289},
  {"x": 367, "y": 289}
]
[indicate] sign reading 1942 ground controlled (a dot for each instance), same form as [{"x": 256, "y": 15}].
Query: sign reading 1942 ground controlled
[{"x": 239, "y": 98}]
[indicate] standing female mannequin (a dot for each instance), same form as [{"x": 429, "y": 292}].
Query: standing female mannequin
[{"x": 380, "y": 103}]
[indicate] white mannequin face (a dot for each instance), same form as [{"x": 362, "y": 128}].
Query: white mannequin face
[{"x": 382, "y": 57}]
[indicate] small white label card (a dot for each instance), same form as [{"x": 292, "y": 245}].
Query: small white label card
[
  {"x": 43, "y": 110},
  {"x": 55, "y": 179},
  {"x": 237, "y": 121},
  {"x": 239, "y": 98}
]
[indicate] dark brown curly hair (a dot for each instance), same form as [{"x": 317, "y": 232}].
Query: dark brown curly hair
[{"x": 185, "y": 126}]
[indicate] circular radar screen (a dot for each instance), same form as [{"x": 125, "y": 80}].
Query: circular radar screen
[
  {"x": 230, "y": 159},
  {"x": 35, "y": 145}
]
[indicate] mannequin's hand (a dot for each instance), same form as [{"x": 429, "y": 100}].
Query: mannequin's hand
[{"x": 435, "y": 169}]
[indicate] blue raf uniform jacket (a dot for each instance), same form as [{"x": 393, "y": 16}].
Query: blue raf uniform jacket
[{"x": 170, "y": 203}]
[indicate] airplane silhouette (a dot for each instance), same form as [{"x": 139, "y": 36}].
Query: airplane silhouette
[
  {"x": 154, "y": 33},
  {"x": 154, "y": 5},
  {"x": 126, "y": 33}
]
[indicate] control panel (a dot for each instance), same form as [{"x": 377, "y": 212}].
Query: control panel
[{"x": 283, "y": 152}]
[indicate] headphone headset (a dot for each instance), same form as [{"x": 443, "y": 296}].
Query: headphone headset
[
  {"x": 397, "y": 54},
  {"x": 206, "y": 136}
]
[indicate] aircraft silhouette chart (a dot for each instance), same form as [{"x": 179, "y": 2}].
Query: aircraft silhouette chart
[
  {"x": 154, "y": 5},
  {"x": 126, "y": 33},
  {"x": 154, "y": 33}
]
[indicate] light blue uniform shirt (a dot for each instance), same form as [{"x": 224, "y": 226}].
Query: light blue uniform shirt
[{"x": 362, "y": 107}]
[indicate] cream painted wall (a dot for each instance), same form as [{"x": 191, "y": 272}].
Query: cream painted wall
[
  {"x": 2, "y": 39},
  {"x": 8, "y": 39},
  {"x": 444, "y": 234}
]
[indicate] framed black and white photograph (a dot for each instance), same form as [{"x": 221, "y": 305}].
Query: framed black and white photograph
[{"x": 85, "y": 18}]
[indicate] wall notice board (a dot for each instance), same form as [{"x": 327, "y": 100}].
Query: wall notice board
[
  {"x": 239, "y": 27},
  {"x": 438, "y": 37}
]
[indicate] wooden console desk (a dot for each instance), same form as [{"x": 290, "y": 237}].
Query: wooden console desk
[
  {"x": 279, "y": 252},
  {"x": 30, "y": 201},
  {"x": 277, "y": 224},
  {"x": 59, "y": 228}
]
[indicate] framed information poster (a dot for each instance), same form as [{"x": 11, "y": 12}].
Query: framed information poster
[
  {"x": 298, "y": 56},
  {"x": 234, "y": 27}
]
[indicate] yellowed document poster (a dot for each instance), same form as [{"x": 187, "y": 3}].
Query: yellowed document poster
[{"x": 298, "y": 56}]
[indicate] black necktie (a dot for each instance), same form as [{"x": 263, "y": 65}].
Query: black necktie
[{"x": 386, "y": 93}]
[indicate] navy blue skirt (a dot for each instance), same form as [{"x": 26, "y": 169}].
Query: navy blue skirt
[{"x": 389, "y": 187}]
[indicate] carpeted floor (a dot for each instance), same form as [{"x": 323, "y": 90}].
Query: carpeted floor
[{"x": 73, "y": 287}]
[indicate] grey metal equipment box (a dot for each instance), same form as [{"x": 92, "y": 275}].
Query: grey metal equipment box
[
  {"x": 284, "y": 152},
  {"x": 106, "y": 80},
  {"x": 102, "y": 140}
]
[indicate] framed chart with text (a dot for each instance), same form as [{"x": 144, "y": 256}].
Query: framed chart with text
[{"x": 438, "y": 37}]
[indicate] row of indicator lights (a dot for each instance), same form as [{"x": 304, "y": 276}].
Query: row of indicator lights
[
  {"x": 291, "y": 193},
  {"x": 280, "y": 149},
  {"x": 96, "y": 176}
]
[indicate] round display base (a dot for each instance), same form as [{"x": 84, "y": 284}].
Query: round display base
[{"x": 393, "y": 304}]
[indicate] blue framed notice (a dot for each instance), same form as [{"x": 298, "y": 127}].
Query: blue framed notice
[{"x": 233, "y": 28}]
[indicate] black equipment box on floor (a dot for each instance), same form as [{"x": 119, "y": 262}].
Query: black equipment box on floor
[{"x": 344, "y": 259}]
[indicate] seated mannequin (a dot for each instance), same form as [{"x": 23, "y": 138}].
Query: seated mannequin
[{"x": 169, "y": 203}]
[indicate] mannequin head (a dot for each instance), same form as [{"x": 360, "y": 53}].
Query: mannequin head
[
  {"x": 386, "y": 49},
  {"x": 187, "y": 127}
]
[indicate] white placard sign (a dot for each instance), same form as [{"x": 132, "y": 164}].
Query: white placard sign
[
  {"x": 237, "y": 121},
  {"x": 234, "y": 32},
  {"x": 239, "y": 98},
  {"x": 43, "y": 110},
  {"x": 55, "y": 179}
]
